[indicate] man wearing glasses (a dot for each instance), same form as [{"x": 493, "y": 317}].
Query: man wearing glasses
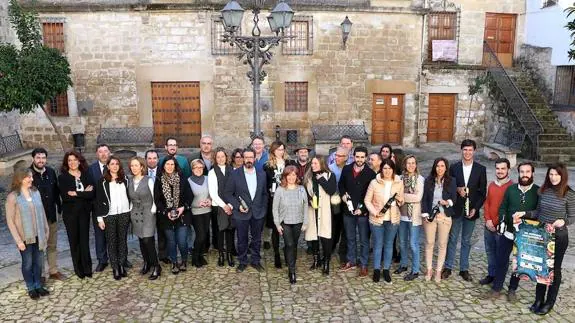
[
  {"x": 517, "y": 199},
  {"x": 172, "y": 150},
  {"x": 344, "y": 142},
  {"x": 495, "y": 192}
]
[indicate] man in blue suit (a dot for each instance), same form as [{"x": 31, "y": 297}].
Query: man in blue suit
[
  {"x": 246, "y": 192},
  {"x": 96, "y": 171}
]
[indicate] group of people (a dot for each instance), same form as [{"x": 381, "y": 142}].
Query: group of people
[{"x": 234, "y": 200}]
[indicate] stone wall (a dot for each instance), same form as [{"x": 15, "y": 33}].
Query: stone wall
[
  {"x": 567, "y": 120},
  {"x": 537, "y": 61},
  {"x": 7, "y": 35}
]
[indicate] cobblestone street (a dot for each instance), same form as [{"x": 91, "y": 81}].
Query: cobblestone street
[{"x": 221, "y": 294}]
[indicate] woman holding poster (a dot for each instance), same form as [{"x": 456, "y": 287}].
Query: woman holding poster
[{"x": 556, "y": 208}]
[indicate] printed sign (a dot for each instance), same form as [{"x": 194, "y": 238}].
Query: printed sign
[
  {"x": 534, "y": 252},
  {"x": 394, "y": 101},
  {"x": 379, "y": 101},
  {"x": 444, "y": 50}
]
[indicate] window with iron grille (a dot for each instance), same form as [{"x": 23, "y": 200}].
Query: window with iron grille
[
  {"x": 300, "y": 33},
  {"x": 218, "y": 46},
  {"x": 441, "y": 26},
  {"x": 564, "y": 86},
  {"x": 548, "y": 3},
  {"x": 53, "y": 37},
  {"x": 296, "y": 96}
]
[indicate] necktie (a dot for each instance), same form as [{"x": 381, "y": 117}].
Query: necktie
[
  {"x": 152, "y": 174},
  {"x": 104, "y": 169}
]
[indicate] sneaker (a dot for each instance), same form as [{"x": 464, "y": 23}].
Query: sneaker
[
  {"x": 411, "y": 276},
  {"x": 511, "y": 296},
  {"x": 486, "y": 280},
  {"x": 386, "y": 276},
  {"x": 347, "y": 267},
  {"x": 400, "y": 270}
]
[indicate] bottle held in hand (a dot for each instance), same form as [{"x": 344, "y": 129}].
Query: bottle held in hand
[
  {"x": 243, "y": 203},
  {"x": 388, "y": 204},
  {"x": 466, "y": 202},
  {"x": 349, "y": 203},
  {"x": 434, "y": 213}
]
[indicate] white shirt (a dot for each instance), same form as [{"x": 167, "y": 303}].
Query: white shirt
[
  {"x": 213, "y": 187},
  {"x": 252, "y": 181},
  {"x": 119, "y": 202},
  {"x": 386, "y": 195},
  {"x": 467, "y": 172}
]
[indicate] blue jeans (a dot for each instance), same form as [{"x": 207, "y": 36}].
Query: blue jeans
[
  {"x": 383, "y": 237},
  {"x": 32, "y": 266},
  {"x": 490, "y": 239},
  {"x": 350, "y": 223},
  {"x": 409, "y": 233},
  {"x": 177, "y": 237},
  {"x": 463, "y": 227}
]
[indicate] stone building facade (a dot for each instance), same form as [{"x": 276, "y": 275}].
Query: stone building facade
[{"x": 123, "y": 54}]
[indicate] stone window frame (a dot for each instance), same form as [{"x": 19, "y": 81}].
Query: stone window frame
[
  {"x": 217, "y": 31},
  {"x": 443, "y": 8},
  {"x": 58, "y": 105},
  {"x": 300, "y": 33},
  {"x": 296, "y": 96}
]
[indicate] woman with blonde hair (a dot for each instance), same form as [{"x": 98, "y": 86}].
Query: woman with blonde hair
[
  {"x": 274, "y": 167},
  {"x": 290, "y": 215},
  {"x": 143, "y": 215},
  {"x": 29, "y": 228},
  {"x": 201, "y": 210},
  {"x": 320, "y": 184}
]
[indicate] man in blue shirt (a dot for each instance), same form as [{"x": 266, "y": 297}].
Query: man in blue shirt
[{"x": 344, "y": 142}]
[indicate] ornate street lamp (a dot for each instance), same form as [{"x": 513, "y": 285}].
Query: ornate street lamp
[
  {"x": 345, "y": 29},
  {"x": 255, "y": 49}
]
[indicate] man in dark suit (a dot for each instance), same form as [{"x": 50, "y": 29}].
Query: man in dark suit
[
  {"x": 471, "y": 179},
  {"x": 247, "y": 186},
  {"x": 96, "y": 172}
]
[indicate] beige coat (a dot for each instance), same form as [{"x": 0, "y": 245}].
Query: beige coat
[
  {"x": 324, "y": 214},
  {"x": 14, "y": 221},
  {"x": 415, "y": 200},
  {"x": 374, "y": 200}
]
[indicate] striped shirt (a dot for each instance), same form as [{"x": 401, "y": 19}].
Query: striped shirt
[{"x": 552, "y": 207}]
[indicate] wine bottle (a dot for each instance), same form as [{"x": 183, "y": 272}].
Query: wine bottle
[
  {"x": 467, "y": 202},
  {"x": 434, "y": 212},
  {"x": 274, "y": 187},
  {"x": 243, "y": 203},
  {"x": 388, "y": 204},
  {"x": 349, "y": 203}
]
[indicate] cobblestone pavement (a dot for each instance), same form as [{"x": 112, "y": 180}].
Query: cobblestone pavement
[{"x": 221, "y": 294}]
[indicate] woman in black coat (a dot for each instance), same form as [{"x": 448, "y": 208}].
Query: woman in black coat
[
  {"x": 77, "y": 192},
  {"x": 173, "y": 196}
]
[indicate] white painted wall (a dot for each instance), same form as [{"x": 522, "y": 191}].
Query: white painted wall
[{"x": 546, "y": 28}]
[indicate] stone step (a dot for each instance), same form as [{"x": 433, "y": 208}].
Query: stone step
[
  {"x": 554, "y": 137},
  {"x": 552, "y": 158},
  {"x": 557, "y": 150},
  {"x": 556, "y": 143}
]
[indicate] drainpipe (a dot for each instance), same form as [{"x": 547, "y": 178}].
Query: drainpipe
[{"x": 419, "y": 98}]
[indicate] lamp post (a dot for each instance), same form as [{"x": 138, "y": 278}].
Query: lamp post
[{"x": 255, "y": 49}]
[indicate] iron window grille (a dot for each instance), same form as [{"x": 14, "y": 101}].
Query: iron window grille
[
  {"x": 53, "y": 37},
  {"x": 300, "y": 36},
  {"x": 218, "y": 46},
  {"x": 443, "y": 23},
  {"x": 296, "y": 96}
]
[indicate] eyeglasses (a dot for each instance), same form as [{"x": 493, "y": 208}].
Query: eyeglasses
[{"x": 198, "y": 167}]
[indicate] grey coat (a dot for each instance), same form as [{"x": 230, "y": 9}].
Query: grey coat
[{"x": 143, "y": 219}]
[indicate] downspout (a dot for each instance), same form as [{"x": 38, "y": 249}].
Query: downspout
[{"x": 419, "y": 87}]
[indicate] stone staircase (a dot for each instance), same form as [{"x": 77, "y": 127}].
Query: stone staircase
[{"x": 555, "y": 143}]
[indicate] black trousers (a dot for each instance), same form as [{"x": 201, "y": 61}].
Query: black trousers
[
  {"x": 504, "y": 249},
  {"x": 561, "y": 243},
  {"x": 117, "y": 238},
  {"x": 78, "y": 230},
  {"x": 161, "y": 239},
  {"x": 214, "y": 230},
  {"x": 201, "y": 223},
  {"x": 326, "y": 245},
  {"x": 226, "y": 240},
  {"x": 338, "y": 233},
  {"x": 291, "y": 236},
  {"x": 148, "y": 249}
]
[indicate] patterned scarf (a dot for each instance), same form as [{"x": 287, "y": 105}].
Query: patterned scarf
[
  {"x": 26, "y": 215},
  {"x": 171, "y": 189},
  {"x": 409, "y": 186}
]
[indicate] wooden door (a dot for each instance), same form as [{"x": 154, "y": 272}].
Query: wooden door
[
  {"x": 500, "y": 35},
  {"x": 440, "y": 117},
  {"x": 387, "y": 119},
  {"x": 176, "y": 113}
]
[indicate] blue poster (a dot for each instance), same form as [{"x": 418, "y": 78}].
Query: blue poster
[{"x": 534, "y": 252}]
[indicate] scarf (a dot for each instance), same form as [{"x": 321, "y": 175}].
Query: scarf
[
  {"x": 198, "y": 179},
  {"x": 26, "y": 215},
  {"x": 171, "y": 190},
  {"x": 409, "y": 186}
]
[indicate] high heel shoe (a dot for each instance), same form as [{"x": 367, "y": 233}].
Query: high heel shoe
[
  {"x": 116, "y": 273},
  {"x": 221, "y": 259},
  {"x": 123, "y": 271},
  {"x": 429, "y": 274},
  {"x": 156, "y": 272},
  {"x": 145, "y": 269},
  {"x": 231, "y": 262},
  {"x": 292, "y": 279}
]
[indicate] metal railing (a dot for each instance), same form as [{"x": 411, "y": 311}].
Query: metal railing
[
  {"x": 132, "y": 135},
  {"x": 9, "y": 144},
  {"x": 515, "y": 101},
  {"x": 333, "y": 133}
]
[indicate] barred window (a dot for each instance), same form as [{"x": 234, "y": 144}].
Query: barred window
[
  {"x": 300, "y": 33},
  {"x": 441, "y": 26},
  {"x": 218, "y": 46},
  {"x": 53, "y": 37},
  {"x": 296, "y": 96}
]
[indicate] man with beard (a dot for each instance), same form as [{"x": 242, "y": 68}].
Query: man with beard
[
  {"x": 495, "y": 192},
  {"x": 471, "y": 179},
  {"x": 302, "y": 161},
  {"x": 518, "y": 199},
  {"x": 353, "y": 184},
  {"x": 172, "y": 150},
  {"x": 46, "y": 182},
  {"x": 246, "y": 193}
]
